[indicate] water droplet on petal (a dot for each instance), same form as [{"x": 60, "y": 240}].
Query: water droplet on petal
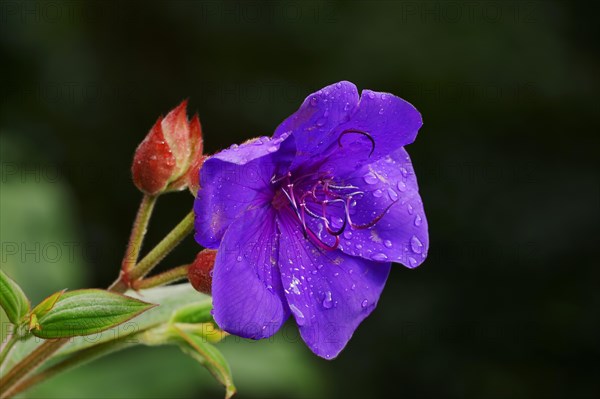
[
  {"x": 412, "y": 261},
  {"x": 327, "y": 302},
  {"x": 347, "y": 107},
  {"x": 314, "y": 101},
  {"x": 392, "y": 194},
  {"x": 353, "y": 286},
  {"x": 298, "y": 314},
  {"x": 347, "y": 234},
  {"x": 418, "y": 220},
  {"x": 381, "y": 111},
  {"x": 321, "y": 121},
  {"x": 272, "y": 149},
  {"x": 358, "y": 246},
  {"x": 239, "y": 258},
  {"x": 403, "y": 171},
  {"x": 377, "y": 193},
  {"x": 379, "y": 257},
  {"x": 364, "y": 303},
  {"x": 370, "y": 178},
  {"x": 410, "y": 209},
  {"x": 338, "y": 85},
  {"x": 371, "y": 95},
  {"x": 383, "y": 96},
  {"x": 416, "y": 245},
  {"x": 401, "y": 186},
  {"x": 387, "y": 243}
]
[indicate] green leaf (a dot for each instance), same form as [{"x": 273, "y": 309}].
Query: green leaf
[
  {"x": 209, "y": 356},
  {"x": 85, "y": 312},
  {"x": 13, "y": 299},
  {"x": 198, "y": 312}
]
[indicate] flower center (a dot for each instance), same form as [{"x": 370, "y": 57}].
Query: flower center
[{"x": 318, "y": 196}]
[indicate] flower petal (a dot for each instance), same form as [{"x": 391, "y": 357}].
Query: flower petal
[
  {"x": 235, "y": 179},
  {"x": 401, "y": 235},
  {"x": 247, "y": 294},
  {"x": 329, "y": 293},
  {"x": 391, "y": 121},
  {"x": 314, "y": 123}
]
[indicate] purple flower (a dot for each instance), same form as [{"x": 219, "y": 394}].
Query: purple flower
[{"x": 308, "y": 222}]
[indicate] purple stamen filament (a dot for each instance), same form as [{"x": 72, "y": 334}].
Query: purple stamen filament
[{"x": 323, "y": 193}]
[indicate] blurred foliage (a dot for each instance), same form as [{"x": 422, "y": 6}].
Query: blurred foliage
[{"x": 506, "y": 305}]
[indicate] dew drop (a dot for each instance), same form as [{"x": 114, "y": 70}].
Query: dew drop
[
  {"x": 410, "y": 209},
  {"x": 371, "y": 95},
  {"x": 392, "y": 194},
  {"x": 239, "y": 258},
  {"x": 401, "y": 186},
  {"x": 314, "y": 101},
  {"x": 387, "y": 243},
  {"x": 381, "y": 111},
  {"x": 271, "y": 149},
  {"x": 364, "y": 303},
  {"x": 383, "y": 96},
  {"x": 403, "y": 171},
  {"x": 370, "y": 178},
  {"x": 353, "y": 286},
  {"x": 416, "y": 245},
  {"x": 347, "y": 234},
  {"x": 321, "y": 121},
  {"x": 338, "y": 85},
  {"x": 327, "y": 302},
  {"x": 379, "y": 256},
  {"x": 358, "y": 246},
  {"x": 412, "y": 261},
  {"x": 377, "y": 193},
  {"x": 418, "y": 220},
  {"x": 347, "y": 107},
  {"x": 298, "y": 314}
]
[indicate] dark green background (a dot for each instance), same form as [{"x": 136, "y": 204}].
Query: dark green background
[{"x": 506, "y": 306}]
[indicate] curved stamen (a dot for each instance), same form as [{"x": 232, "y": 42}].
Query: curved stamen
[
  {"x": 371, "y": 223},
  {"x": 354, "y": 131}
]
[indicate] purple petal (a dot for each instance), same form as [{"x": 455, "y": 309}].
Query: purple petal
[
  {"x": 247, "y": 294},
  {"x": 234, "y": 179},
  {"x": 329, "y": 293},
  {"x": 391, "y": 121},
  {"x": 314, "y": 123},
  {"x": 401, "y": 235}
]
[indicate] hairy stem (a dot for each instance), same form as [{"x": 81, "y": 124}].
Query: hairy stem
[
  {"x": 11, "y": 340},
  {"x": 163, "y": 248},
  {"x": 78, "y": 359},
  {"x": 140, "y": 225},
  {"x": 170, "y": 276}
]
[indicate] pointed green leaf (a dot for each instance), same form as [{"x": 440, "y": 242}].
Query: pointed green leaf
[
  {"x": 209, "y": 356},
  {"x": 85, "y": 312},
  {"x": 13, "y": 299},
  {"x": 47, "y": 304}
]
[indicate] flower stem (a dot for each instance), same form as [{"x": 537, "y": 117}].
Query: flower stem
[
  {"x": 29, "y": 363},
  {"x": 138, "y": 232},
  {"x": 163, "y": 248},
  {"x": 170, "y": 276},
  {"x": 78, "y": 359},
  {"x": 7, "y": 346}
]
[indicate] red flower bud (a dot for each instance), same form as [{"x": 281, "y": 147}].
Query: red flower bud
[
  {"x": 200, "y": 272},
  {"x": 166, "y": 159}
]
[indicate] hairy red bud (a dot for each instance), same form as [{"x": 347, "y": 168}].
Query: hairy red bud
[{"x": 200, "y": 272}]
